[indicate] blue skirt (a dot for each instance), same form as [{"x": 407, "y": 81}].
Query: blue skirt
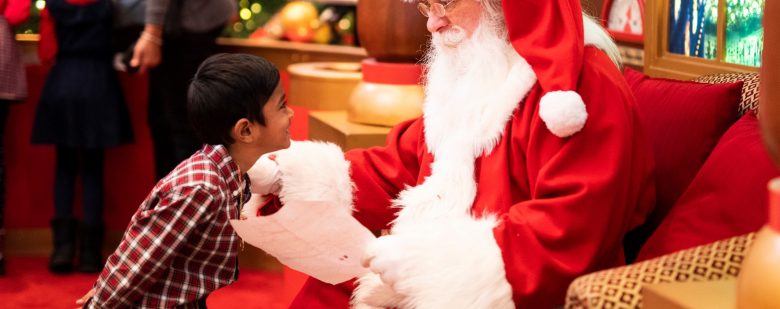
[{"x": 82, "y": 105}]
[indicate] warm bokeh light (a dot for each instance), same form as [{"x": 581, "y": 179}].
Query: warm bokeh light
[
  {"x": 245, "y": 14},
  {"x": 237, "y": 27},
  {"x": 256, "y": 8},
  {"x": 344, "y": 24}
]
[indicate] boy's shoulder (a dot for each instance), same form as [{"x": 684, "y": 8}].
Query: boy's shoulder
[{"x": 208, "y": 169}]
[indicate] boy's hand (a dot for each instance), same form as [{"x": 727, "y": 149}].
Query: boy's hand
[
  {"x": 265, "y": 176},
  {"x": 83, "y": 300},
  {"x": 252, "y": 206}
]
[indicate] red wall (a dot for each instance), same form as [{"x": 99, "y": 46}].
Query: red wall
[{"x": 128, "y": 171}]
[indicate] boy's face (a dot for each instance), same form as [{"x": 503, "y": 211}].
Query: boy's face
[{"x": 275, "y": 135}]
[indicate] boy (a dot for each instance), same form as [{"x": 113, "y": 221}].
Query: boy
[{"x": 179, "y": 246}]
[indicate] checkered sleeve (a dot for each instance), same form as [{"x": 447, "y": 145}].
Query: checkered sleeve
[{"x": 150, "y": 243}]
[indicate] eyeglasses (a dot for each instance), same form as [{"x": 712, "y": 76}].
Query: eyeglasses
[{"x": 437, "y": 9}]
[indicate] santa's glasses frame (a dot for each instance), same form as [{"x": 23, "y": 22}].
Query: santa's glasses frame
[{"x": 436, "y": 9}]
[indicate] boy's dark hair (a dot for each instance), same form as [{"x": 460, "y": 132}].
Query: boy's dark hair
[{"x": 226, "y": 88}]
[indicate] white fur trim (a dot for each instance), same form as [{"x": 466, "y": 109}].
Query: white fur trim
[
  {"x": 453, "y": 262},
  {"x": 563, "y": 112},
  {"x": 315, "y": 171}
]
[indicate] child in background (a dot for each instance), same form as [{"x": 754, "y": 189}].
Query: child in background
[
  {"x": 82, "y": 112},
  {"x": 179, "y": 246},
  {"x": 13, "y": 86}
]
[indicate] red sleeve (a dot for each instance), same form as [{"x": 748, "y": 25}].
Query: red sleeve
[
  {"x": 47, "y": 45},
  {"x": 586, "y": 193},
  {"x": 271, "y": 206},
  {"x": 380, "y": 173},
  {"x": 17, "y": 11}
]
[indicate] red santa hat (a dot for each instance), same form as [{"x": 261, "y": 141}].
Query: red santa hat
[{"x": 549, "y": 35}]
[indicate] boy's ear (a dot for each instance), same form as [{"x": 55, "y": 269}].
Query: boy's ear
[{"x": 243, "y": 130}]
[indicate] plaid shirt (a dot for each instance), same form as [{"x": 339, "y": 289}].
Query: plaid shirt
[
  {"x": 179, "y": 246},
  {"x": 13, "y": 84}
]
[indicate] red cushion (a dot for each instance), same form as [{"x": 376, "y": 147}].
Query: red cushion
[
  {"x": 728, "y": 197},
  {"x": 683, "y": 120}
]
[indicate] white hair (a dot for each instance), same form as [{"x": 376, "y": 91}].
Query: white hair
[{"x": 596, "y": 35}]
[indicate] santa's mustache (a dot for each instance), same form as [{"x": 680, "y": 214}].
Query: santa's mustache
[{"x": 451, "y": 37}]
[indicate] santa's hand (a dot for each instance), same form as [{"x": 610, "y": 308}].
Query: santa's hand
[
  {"x": 416, "y": 263},
  {"x": 384, "y": 257},
  {"x": 372, "y": 293},
  {"x": 265, "y": 176},
  {"x": 251, "y": 207}
]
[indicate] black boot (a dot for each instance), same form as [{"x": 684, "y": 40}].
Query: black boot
[
  {"x": 90, "y": 259},
  {"x": 64, "y": 230}
]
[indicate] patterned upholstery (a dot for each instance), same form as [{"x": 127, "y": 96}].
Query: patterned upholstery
[
  {"x": 749, "y": 88},
  {"x": 621, "y": 287}
]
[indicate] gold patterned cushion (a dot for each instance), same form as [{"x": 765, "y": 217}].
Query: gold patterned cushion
[
  {"x": 621, "y": 287},
  {"x": 749, "y": 87}
]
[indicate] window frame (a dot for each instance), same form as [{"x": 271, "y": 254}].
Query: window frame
[{"x": 662, "y": 63}]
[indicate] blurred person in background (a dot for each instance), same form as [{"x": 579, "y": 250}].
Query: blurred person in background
[
  {"x": 177, "y": 37},
  {"x": 13, "y": 86},
  {"x": 82, "y": 112}
]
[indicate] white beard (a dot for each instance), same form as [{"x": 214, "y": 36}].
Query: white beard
[
  {"x": 462, "y": 77},
  {"x": 472, "y": 91}
]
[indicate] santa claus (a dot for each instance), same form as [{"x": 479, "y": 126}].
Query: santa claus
[{"x": 525, "y": 171}]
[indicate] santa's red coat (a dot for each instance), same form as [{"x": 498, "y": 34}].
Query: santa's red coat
[{"x": 564, "y": 204}]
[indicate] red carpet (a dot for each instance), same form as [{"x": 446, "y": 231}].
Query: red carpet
[{"x": 28, "y": 284}]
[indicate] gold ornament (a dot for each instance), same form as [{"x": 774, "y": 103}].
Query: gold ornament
[
  {"x": 323, "y": 35},
  {"x": 297, "y": 20}
]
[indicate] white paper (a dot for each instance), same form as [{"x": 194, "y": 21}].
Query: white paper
[{"x": 320, "y": 240}]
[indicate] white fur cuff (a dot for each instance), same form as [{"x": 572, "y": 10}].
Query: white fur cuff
[
  {"x": 563, "y": 112},
  {"x": 315, "y": 171},
  {"x": 449, "y": 262}
]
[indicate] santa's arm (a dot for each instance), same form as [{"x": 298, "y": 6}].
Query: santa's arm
[
  {"x": 586, "y": 193},
  {"x": 379, "y": 173},
  {"x": 583, "y": 201}
]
